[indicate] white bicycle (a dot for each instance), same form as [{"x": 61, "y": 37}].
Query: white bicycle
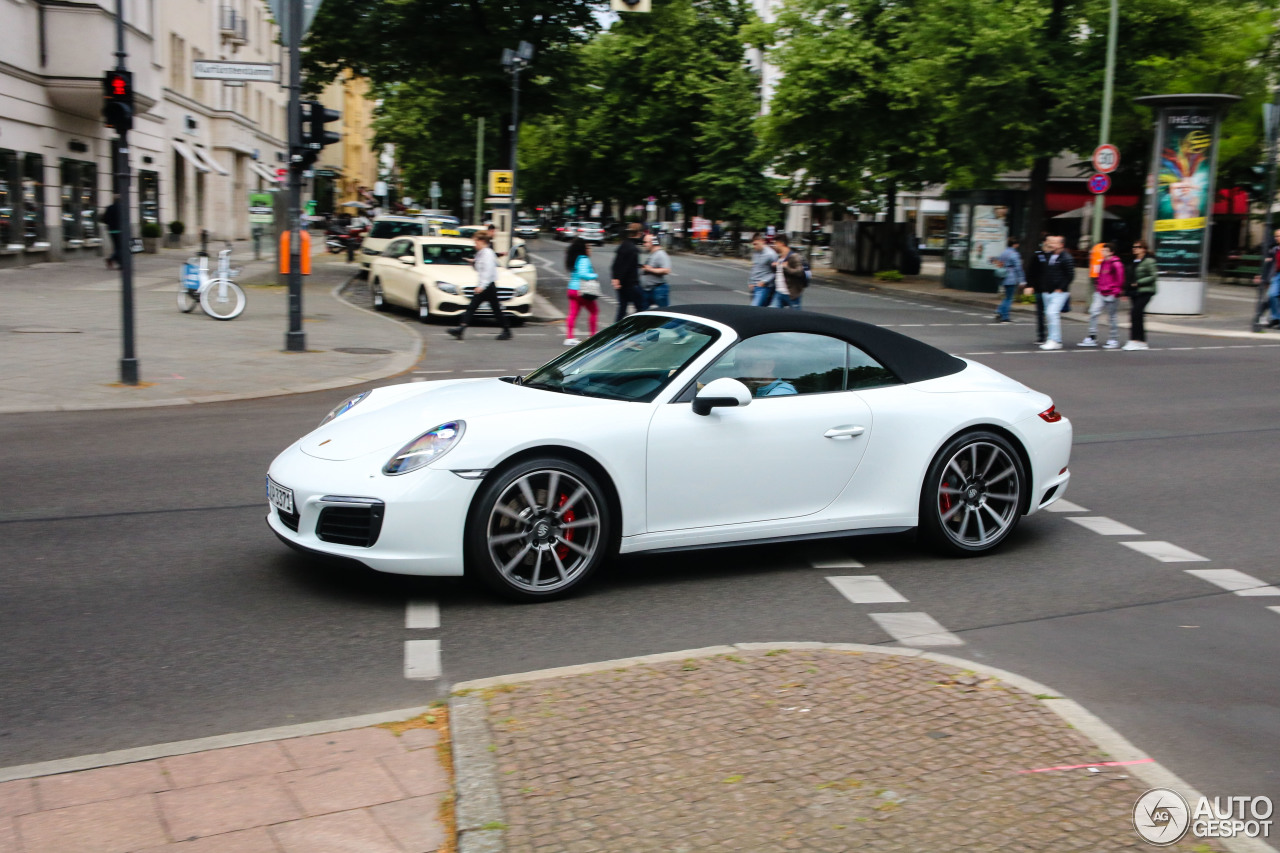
[{"x": 219, "y": 296}]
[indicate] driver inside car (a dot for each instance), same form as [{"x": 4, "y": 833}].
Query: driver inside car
[{"x": 758, "y": 372}]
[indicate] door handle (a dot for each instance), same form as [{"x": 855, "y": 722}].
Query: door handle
[{"x": 844, "y": 432}]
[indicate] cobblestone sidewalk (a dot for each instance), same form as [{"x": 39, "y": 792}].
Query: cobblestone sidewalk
[
  {"x": 810, "y": 750},
  {"x": 367, "y": 790}
]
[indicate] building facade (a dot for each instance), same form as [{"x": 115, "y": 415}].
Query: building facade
[{"x": 197, "y": 147}]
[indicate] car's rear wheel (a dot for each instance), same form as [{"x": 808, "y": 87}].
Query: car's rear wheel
[
  {"x": 379, "y": 298},
  {"x": 973, "y": 494},
  {"x": 539, "y": 529},
  {"x": 424, "y": 306}
]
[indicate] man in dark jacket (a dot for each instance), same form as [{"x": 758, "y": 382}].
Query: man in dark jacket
[
  {"x": 1056, "y": 275},
  {"x": 1035, "y": 275},
  {"x": 626, "y": 272},
  {"x": 111, "y": 218}
]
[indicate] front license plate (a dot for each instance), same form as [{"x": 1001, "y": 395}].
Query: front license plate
[{"x": 280, "y": 497}]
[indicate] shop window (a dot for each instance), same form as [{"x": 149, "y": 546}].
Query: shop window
[
  {"x": 89, "y": 200},
  {"x": 79, "y": 200},
  {"x": 33, "y": 225},
  {"x": 8, "y": 202},
  {"x": 149, "y": 197}
]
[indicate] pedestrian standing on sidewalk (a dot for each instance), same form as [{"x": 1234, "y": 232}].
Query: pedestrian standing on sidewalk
[
  {"x": 1271, "y": 275},
  {"x": 653, "y": 275},
  {"x": 583, "y": 290},
  {"x": 790, "y": 281},
  {"x": 626, "y": 272},
  {"x": 1057, "y": 275},
  {"x": 1142, "y": 286},
  {"x": 1011, "y": 262},
  {"x": 763, "y": 273},
  {"x": 1035, "y": 281},
  {"x": 1106, "y": 295},
  {"x": 486, "y": 290},
  {"x": 111, "y": 218}
]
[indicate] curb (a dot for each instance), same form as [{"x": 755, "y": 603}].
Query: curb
[
  {"x": 398, "y": 365},
  {"x": 481, "y": 802}
]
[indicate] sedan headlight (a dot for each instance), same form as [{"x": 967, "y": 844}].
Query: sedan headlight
[
  {"x": 426, "y": 448},
  {"x": 447, "y": 287},
  {"x": 343, "y": 406},
  {"x": 521, "y": 289}
]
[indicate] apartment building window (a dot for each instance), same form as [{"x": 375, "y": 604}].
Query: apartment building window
[
  {"x": 177, "y": 62},
  {"x": 149, "y": 197},
  {"x": 79, "y": 200}
]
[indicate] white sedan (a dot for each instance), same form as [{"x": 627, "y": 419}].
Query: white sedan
[
  {"x": 434, "y": 276},
  {"x": 683, "y": 428}
]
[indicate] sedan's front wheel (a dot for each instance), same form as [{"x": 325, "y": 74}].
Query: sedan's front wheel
[
  {"x": 539, "y": 529},
  {"x": 972, "y": 496},
  {"x": 424, "y": 306}
]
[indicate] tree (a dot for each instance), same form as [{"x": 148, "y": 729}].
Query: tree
[{"x": 732, "y": 177}]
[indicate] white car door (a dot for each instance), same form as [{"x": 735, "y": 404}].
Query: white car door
[
  {"x": 789, "y": 453},
  {"x": 396, "y": 276}
]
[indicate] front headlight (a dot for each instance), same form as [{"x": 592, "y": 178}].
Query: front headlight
[
  {"x": 343, "y": 406},
  {"x": 426, "y": 448},
  {"x": 447, "y": 287},
  {"x": 521, "y": 289}
]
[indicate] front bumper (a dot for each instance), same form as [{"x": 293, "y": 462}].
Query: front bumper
[{"x": 423, "y": 512}]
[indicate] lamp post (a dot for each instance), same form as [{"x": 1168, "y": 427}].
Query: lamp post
[{"x": 514, "y": 61}]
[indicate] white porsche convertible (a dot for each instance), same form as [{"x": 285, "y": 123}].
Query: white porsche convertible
[{"x": 700, "y": 426}]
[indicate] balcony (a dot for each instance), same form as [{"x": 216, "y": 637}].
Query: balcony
[
  {"x": 77, "y": 45},
  {"x": 234, "y": 26}
]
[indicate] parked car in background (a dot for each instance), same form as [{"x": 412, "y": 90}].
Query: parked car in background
[
  {"x": 527, "y": 229},
  {"x": 592, "y": 232}
]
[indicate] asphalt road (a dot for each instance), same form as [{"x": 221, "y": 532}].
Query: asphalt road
[{"x": 143, "y": 600}]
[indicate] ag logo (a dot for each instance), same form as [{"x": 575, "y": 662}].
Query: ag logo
[{"x": 1161, "y": 817}]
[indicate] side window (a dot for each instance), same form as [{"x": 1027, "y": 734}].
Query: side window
[
  {"x": 397, "y": 248},
  {"x": 783, "y": 364},
  {"x": 866, "y": 372}
]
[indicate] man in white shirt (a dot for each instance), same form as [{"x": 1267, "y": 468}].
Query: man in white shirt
[{"x": 486, "y": 263}]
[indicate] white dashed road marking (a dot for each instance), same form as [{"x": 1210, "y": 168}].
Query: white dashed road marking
[
  {"x": 422, "y": 659},
  {"x": 1061, "y": 505},
  {"x": 1166, "y": 552},
  {"x": 915, "y": 629},
  {"x": 1274, "y": 608},
  {"x": 422, "y": 614},
  {"x": 1104, "y": 526},
  {"x": 840, "y": 563},
  {"x": 1233, "y": 581},
  {"x": 866, "y": 589}
]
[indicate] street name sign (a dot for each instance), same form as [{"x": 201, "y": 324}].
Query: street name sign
[
  {"x": 253, "y": 72},
  {"x": 1099, "y": 184},
  {"x": 500, "y": 182},
  {"x": 1106, "y": 158}
]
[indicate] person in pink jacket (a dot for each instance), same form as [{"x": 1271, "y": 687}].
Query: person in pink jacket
[{"x": 1106, "y": 296}]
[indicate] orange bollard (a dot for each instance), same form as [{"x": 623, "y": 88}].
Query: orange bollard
[{"x": 304, "y": 246}]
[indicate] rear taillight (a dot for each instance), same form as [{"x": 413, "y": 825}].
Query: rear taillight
[{"x": 1051, "y": 415}]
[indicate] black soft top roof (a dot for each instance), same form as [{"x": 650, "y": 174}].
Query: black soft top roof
[{"x": 909, "y": 359}]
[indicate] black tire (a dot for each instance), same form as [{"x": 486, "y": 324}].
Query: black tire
[
  {"x": 378, "y": 296},
  {"x": 424, "y": 306},
  {"x": 973, "y": 494},
  {"x": 545, "y": 550}
]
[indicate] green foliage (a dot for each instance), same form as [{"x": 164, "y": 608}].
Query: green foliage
[
  {"x": 151, "y": 230},
  {"x": 177, "y": 227},
  {"x": 888, "y": 275}
]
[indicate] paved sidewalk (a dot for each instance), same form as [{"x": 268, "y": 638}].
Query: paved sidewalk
[
  {"x": 383, "y": 789},
  {"x": 60, "y": 337},
  {"x": 795, "y": 748}
]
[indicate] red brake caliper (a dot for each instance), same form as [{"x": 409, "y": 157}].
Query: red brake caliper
[
  {"x": 562, "y": 551},
  {"x": 944, "y": 499}
]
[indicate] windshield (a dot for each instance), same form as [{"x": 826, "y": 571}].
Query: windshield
[
  {"x": 528, "y": 223},
  {"x": 387, "y": 230},
  {"x": 468, "y": 231},
  {"x": 631, "y": 360},
  {"x": 437, "y": 254}
]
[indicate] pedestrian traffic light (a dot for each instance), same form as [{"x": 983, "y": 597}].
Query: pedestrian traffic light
[{"x": 117, "y": 94}]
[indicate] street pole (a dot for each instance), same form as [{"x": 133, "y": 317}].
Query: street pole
[
  {"x": 1268, "y": 242},
  {"x": 479, "y": 165},
  {"x": 1108, "y": 89},
  {"x": 295, "y": 340},
  {"x": 121, "y": 189},
  {"x": 515, "y": 136}
]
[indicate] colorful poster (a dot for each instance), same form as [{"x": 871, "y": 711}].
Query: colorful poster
[
  {"x": 1183, "y": 184},
  {"x": 990, "y": 235}
]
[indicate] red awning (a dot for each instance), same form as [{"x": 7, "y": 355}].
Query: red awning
[{"x": 1061, "y": 202}]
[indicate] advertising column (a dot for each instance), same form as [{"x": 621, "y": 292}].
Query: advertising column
[{"x": 1181, "y": 204}]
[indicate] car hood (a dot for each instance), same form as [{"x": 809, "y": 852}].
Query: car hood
[{"x": 392, "y": 417}]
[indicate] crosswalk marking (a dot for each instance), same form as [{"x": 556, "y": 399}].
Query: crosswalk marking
[
  {"x": 915, "y": 629},
  {"x": 1234, "y": 581},
  {"x": 1062, "y": 505},
  {"x": 1166, "y": 552},
  {"x": 422, "y": 614},
  {"x": 1275, "y": 608},
  {"x": 866, "y": 589},
  {"x": 422, "y": 659},
  {"x": 1104, "y": 526}
]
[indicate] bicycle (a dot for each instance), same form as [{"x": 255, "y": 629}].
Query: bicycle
[{"x": 219, "y": 296}]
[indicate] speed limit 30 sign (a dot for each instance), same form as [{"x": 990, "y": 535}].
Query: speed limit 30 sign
[{"x": 1106, "y": 158}]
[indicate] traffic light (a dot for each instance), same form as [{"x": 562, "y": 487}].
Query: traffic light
[
  {"x": 117, "y": 100},
  {"x": 1258, "y": 184},
  {"x": 313, "y": 134}
]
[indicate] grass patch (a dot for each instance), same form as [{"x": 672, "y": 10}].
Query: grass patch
[{"x": 733, "y": 779}]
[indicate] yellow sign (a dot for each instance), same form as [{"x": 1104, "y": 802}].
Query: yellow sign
[
  {"x": 500, "y": 182},
  {"x": 1190, "y": 224}
]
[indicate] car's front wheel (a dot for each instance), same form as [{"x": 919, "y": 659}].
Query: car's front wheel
[
  {"x": 973, "y": 494},
  {"x": 539, "y": 529},
  {"x": 424, "y": 306},
  {"x": 379, "y": 298}
]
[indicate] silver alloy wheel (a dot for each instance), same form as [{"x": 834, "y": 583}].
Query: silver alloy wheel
[
  {"x": 543, "y": 531},
  {"x": 424, "y": 306},
  {"x": 377, "y": 294},
  {"x": 979, "y": 494}
]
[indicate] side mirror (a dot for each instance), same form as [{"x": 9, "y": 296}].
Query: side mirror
[
  {"x": 406, "y": 259},
  {"x": 724, "y": 391},
  {"x": 515, "y": 265}
]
